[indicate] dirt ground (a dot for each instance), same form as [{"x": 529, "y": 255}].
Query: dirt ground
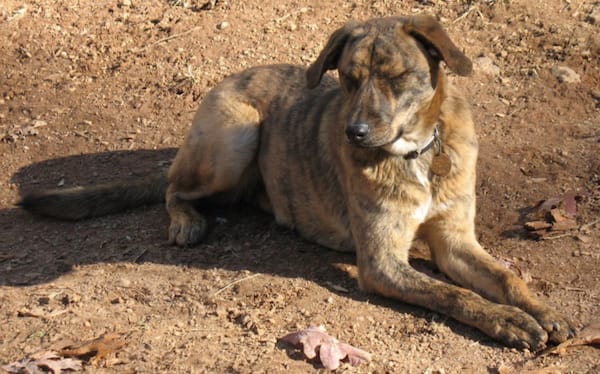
[{"x": 96, "y": 90}]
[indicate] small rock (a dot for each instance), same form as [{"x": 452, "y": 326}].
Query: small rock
[
  {"x": 29, "y": 131},
  {"x": 583, "y": 238},
  {"x": 39, "y": 123},
  {"x": 223, "y": 25},
  {"x": 44, "y": 300},
  {"x": 594, "y": 16},
  {"x": 125, "y": 2},
  {"x": 565, "y": 74},
  {"x": 487, "y": 66}
]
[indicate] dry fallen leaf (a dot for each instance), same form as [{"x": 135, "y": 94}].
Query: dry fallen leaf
[
  {"x": 100, "y": 347},
  {"x": 551, "y": 216},
  {"x": 315, "y": 339},
  {"x": 42, "y": 363},
  {"x": 587, "y": 336}
]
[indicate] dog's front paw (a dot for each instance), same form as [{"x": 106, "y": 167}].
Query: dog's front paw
[
  {"x": 558, "y": 327},
  {"x": 185, "y": 230},
  {"x": 516, "y": 328}
]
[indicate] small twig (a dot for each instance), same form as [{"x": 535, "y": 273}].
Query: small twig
[
  {"x": 556, "y": 236},
  {"x": 286, "y": 16},
  {"x": 138, "y": 257},
  {"x": 466, "y": 13},
  {"x": 6, "y": 257},
  {"x": 588, "y": 225},
  {"x": 45, "y": 316},
  {"x": 202, "y": 330},
  {"x": 577, "y": 289},
  {"x": 166, "y": 39},
  {"x": 514, "y": 111},
  {"x": 232, "y": 283}
]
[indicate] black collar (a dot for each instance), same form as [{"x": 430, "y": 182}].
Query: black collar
[{"x": 418, "y": 152}]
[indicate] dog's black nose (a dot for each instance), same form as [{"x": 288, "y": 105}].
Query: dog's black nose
[{"x": 357, "y": 132}]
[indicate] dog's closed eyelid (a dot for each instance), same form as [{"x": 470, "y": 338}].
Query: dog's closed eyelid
[{"x": 399, "y": 76}]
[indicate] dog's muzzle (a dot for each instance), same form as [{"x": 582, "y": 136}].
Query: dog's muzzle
[{"x": 357, "y": 132}]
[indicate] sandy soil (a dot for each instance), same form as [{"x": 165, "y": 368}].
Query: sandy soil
[{"x": 92, "y": 91}]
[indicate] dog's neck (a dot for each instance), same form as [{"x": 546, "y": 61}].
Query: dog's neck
[
  {"x": 431, "y": 115},
  {"x": 433, "y": 139}
]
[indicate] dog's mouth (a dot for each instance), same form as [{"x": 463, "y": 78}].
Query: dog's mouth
[
  {"x": 371, "y": 141},
  {"x": 401, "y": 145},
  {"x": 367, "y": 138}
]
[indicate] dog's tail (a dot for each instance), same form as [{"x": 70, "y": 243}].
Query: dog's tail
[{"x": 93, "y": 201}]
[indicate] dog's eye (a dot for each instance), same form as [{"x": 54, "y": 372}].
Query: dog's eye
[
  {"x": 398, "y": 82},
  {"x": 399, "y": 77}
]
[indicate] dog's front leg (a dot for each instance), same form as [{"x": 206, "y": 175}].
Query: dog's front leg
[
  {"x": 457, "y": 253},
  {"x": 383, "y": 238}
]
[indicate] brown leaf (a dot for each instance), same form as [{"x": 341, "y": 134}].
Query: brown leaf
[
  {"x": 537, "y": 225},
  {"x": 545, "y": 206},
  {"x": 557, "y": 216},
  {"x": 355, "y": 356},
  {"x": 587, "y": 336},
  {"x": 565, "y": 225},
  {"x": 99, "y": 348},
  {"x": 331, "y": 353},
  {"x": 316, "y": 340},
  {"x": 570, "y": 204},
  {"x": 42, "y": 363},
  {"x": 557, "y": 213}
]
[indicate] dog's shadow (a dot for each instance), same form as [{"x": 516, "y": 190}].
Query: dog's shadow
[{"x": 35, "y": 250}]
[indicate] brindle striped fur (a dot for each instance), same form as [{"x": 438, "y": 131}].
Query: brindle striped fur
[{"x": 288, "y": 139}]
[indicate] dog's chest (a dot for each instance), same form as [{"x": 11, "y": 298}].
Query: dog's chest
[
  {"x": 414, "y": 188},
  {"x": 421, "y": 175}
]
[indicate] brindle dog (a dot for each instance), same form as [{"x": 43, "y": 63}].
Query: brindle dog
[{"x": 368, "y": 164}]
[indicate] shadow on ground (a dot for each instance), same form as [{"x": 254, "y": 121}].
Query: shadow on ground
[{"x": 37, "y": 250}]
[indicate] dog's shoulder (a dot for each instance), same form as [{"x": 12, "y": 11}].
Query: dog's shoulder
[
  {"x": 457, "y": 127},
  {"x": 459, "y": 143}
]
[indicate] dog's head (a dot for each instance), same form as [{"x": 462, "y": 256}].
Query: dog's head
[{"x": 389, "y": 71}]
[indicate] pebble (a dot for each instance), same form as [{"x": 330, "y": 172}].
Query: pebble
[
  {"x": 594, "y": 16},
  {"x": 565, "y": 74},
  {"x": 487, "y": 66},
  {"x": 223, "y": 25}
]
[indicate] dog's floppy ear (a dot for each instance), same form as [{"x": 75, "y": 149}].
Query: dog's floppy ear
[
  {"x": 428, "y": 29},
  {"x": 329, "y": 56}
]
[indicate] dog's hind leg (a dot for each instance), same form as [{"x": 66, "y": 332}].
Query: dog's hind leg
[{"x": 217, "y": 161}]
